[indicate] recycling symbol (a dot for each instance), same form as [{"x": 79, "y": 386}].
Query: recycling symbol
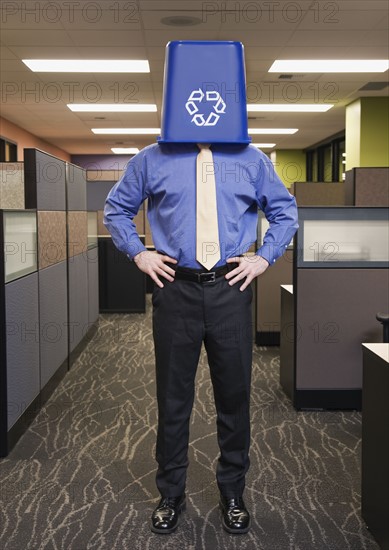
[{"x": 197, "y": 97}]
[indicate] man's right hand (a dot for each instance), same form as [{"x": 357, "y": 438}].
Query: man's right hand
[{"x": 154, "y": 264}]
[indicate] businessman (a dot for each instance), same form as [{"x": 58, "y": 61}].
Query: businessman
[{"x": 203, "y": 200}]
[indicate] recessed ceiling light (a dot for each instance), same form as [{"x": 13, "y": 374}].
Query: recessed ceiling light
[
  {"x": 112, "y": 107},
  {"x": 125, "y": 150},
  {"x": 264, "y": 145},
  {"x": 289, "y": 108},
  {"x": 181, "y": 21},
  {"x": 87, "y": 65},
  {"x": 273, "y": 130},
  {"x": 330, "y": 65},
  {"x": 137, "y": 131}
]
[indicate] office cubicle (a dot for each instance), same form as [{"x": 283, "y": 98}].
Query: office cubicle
[
  {"x": 49, "y": 285},
  {"x": 122, "y": 287},
  {"x": 340, "y": 281},
  {"x": 19, "y": 327}
]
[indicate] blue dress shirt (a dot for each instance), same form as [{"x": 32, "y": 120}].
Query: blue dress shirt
[{"x": 165, "y": 174}]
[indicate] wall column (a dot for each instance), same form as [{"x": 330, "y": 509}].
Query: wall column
[
  {"x": 367, "y": 136},
  {"x": 290, "y": 165}
]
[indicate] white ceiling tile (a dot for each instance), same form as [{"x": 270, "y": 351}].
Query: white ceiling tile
[
  {"x": 336, "y": 18},
  {"x": 252, "y": 38},
  {"x": 124, "y": 51},
  {"x": 329, "y": 39},
  {"x": 35, "y": 51},
  {"x": 109, "y": 38},
  {"x": 376, "y": 37},
  {"x": 160, "y": 38},
  {"x": 6, "y": 53},
  {"x": 38, "y": 37}
]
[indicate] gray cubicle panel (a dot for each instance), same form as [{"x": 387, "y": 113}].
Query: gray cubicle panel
[
  {"x": 19, "y": 326},
  {"x": 77, "y": 233},
  {"x": 340, "y": 282},
  {"x": 45, "y": 190},
  {"x": 93, "y": 269},
  {"x": 268, "y": 310},
  {"x": 268, "y": 298},
  {"x": 77, "y": 225},
  {"x": 12, "y": 185},
  {"x": 319, "y": 193},
  {"x": 53, "y": 319},
  {"x": 375, "y": 441},
  {"x": 78, "y": 303},
  {"x": 53, "y": 297},
  {"x": 44, "y": 178},
  {"x": 75, "y": 187},
  {"x": 367, "y": 187}
]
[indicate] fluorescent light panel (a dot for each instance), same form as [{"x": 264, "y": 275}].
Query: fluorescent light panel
[
  {"x": 273, "y": 130},
  {"x": 289, "y": 108},
  {"x": 137, "y": 131},
  {"x": 125, "y": 150},
  {"x": 87, "y": 65},
  {"x": 330, "y": 66},
  {"x": 264, "y": 145},
  {"x": 112, "y": 108}
]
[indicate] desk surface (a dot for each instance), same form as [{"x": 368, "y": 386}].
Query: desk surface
[
  {"x": 288, "y": 288},
  {"x": 382, "y": 350}
]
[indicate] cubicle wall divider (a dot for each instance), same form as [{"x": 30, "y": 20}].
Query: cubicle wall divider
[
  {"x": 309, "y": 193},
  {"x": 45, "y": 190},
  {"x": 93, "y": 271},
  {"x": 77, "y": 226},
  {"x": 49, "y": 289},
  {"x": 19, "y": 325},
  {"x": 367, "y": 186},
  {"x": 340, "y": 282},
  {"x": 122, "y": 287},
  {"x": 268, "y": 299},
  {"x": 363, "y": 187}
]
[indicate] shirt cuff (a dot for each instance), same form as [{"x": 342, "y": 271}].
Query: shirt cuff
[
  {"x": 134, "y": 248},
  {"x": 267, "y": 252}
]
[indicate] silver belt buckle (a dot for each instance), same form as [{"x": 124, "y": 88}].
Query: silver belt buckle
[{"x": 207, "y": 277}]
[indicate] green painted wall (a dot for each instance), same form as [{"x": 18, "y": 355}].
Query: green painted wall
[
  {"x": 375, "y": 131},
  {"x": 290, "y": 165},
  {"x": 367, "y": 132}
]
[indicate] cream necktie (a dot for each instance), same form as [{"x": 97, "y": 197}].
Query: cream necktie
[{"x": 207, "y": 231}]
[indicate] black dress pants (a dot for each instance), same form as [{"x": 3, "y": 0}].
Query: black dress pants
[{"x": 185, "y": 314}]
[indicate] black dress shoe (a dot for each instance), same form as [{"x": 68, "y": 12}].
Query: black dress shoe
[
  {"x": 165, "y": 517},
  {"x": 235, "y": 517}
]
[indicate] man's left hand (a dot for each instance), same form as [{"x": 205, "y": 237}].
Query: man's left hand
[{"x": 250, "y": 266}]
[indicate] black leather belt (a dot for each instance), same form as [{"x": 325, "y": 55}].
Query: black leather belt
[{"x": 197, "y": 276}]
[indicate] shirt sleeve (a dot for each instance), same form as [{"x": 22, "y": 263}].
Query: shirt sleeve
[
  {"x": 280, "y": 209},
  {"x": 123, "y": 203}
]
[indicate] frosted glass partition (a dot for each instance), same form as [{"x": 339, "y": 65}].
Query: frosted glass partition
[
  {"x": 354, "y": 237},
  {"x": 20, "y": 244},
  {"x": 92, "y": 229},
  {"x": 346, "y": 240}
]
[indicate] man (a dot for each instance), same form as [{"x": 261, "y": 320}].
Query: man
[{"x": 192, "y": 303}]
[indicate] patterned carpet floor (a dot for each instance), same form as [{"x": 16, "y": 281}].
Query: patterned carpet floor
[{"x": 83, "y": 475}]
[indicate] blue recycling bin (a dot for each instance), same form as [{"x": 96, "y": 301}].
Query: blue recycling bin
[{"x": 204, "y": 96}]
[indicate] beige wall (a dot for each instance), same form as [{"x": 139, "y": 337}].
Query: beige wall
[{"x": 23, "y": 139}]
